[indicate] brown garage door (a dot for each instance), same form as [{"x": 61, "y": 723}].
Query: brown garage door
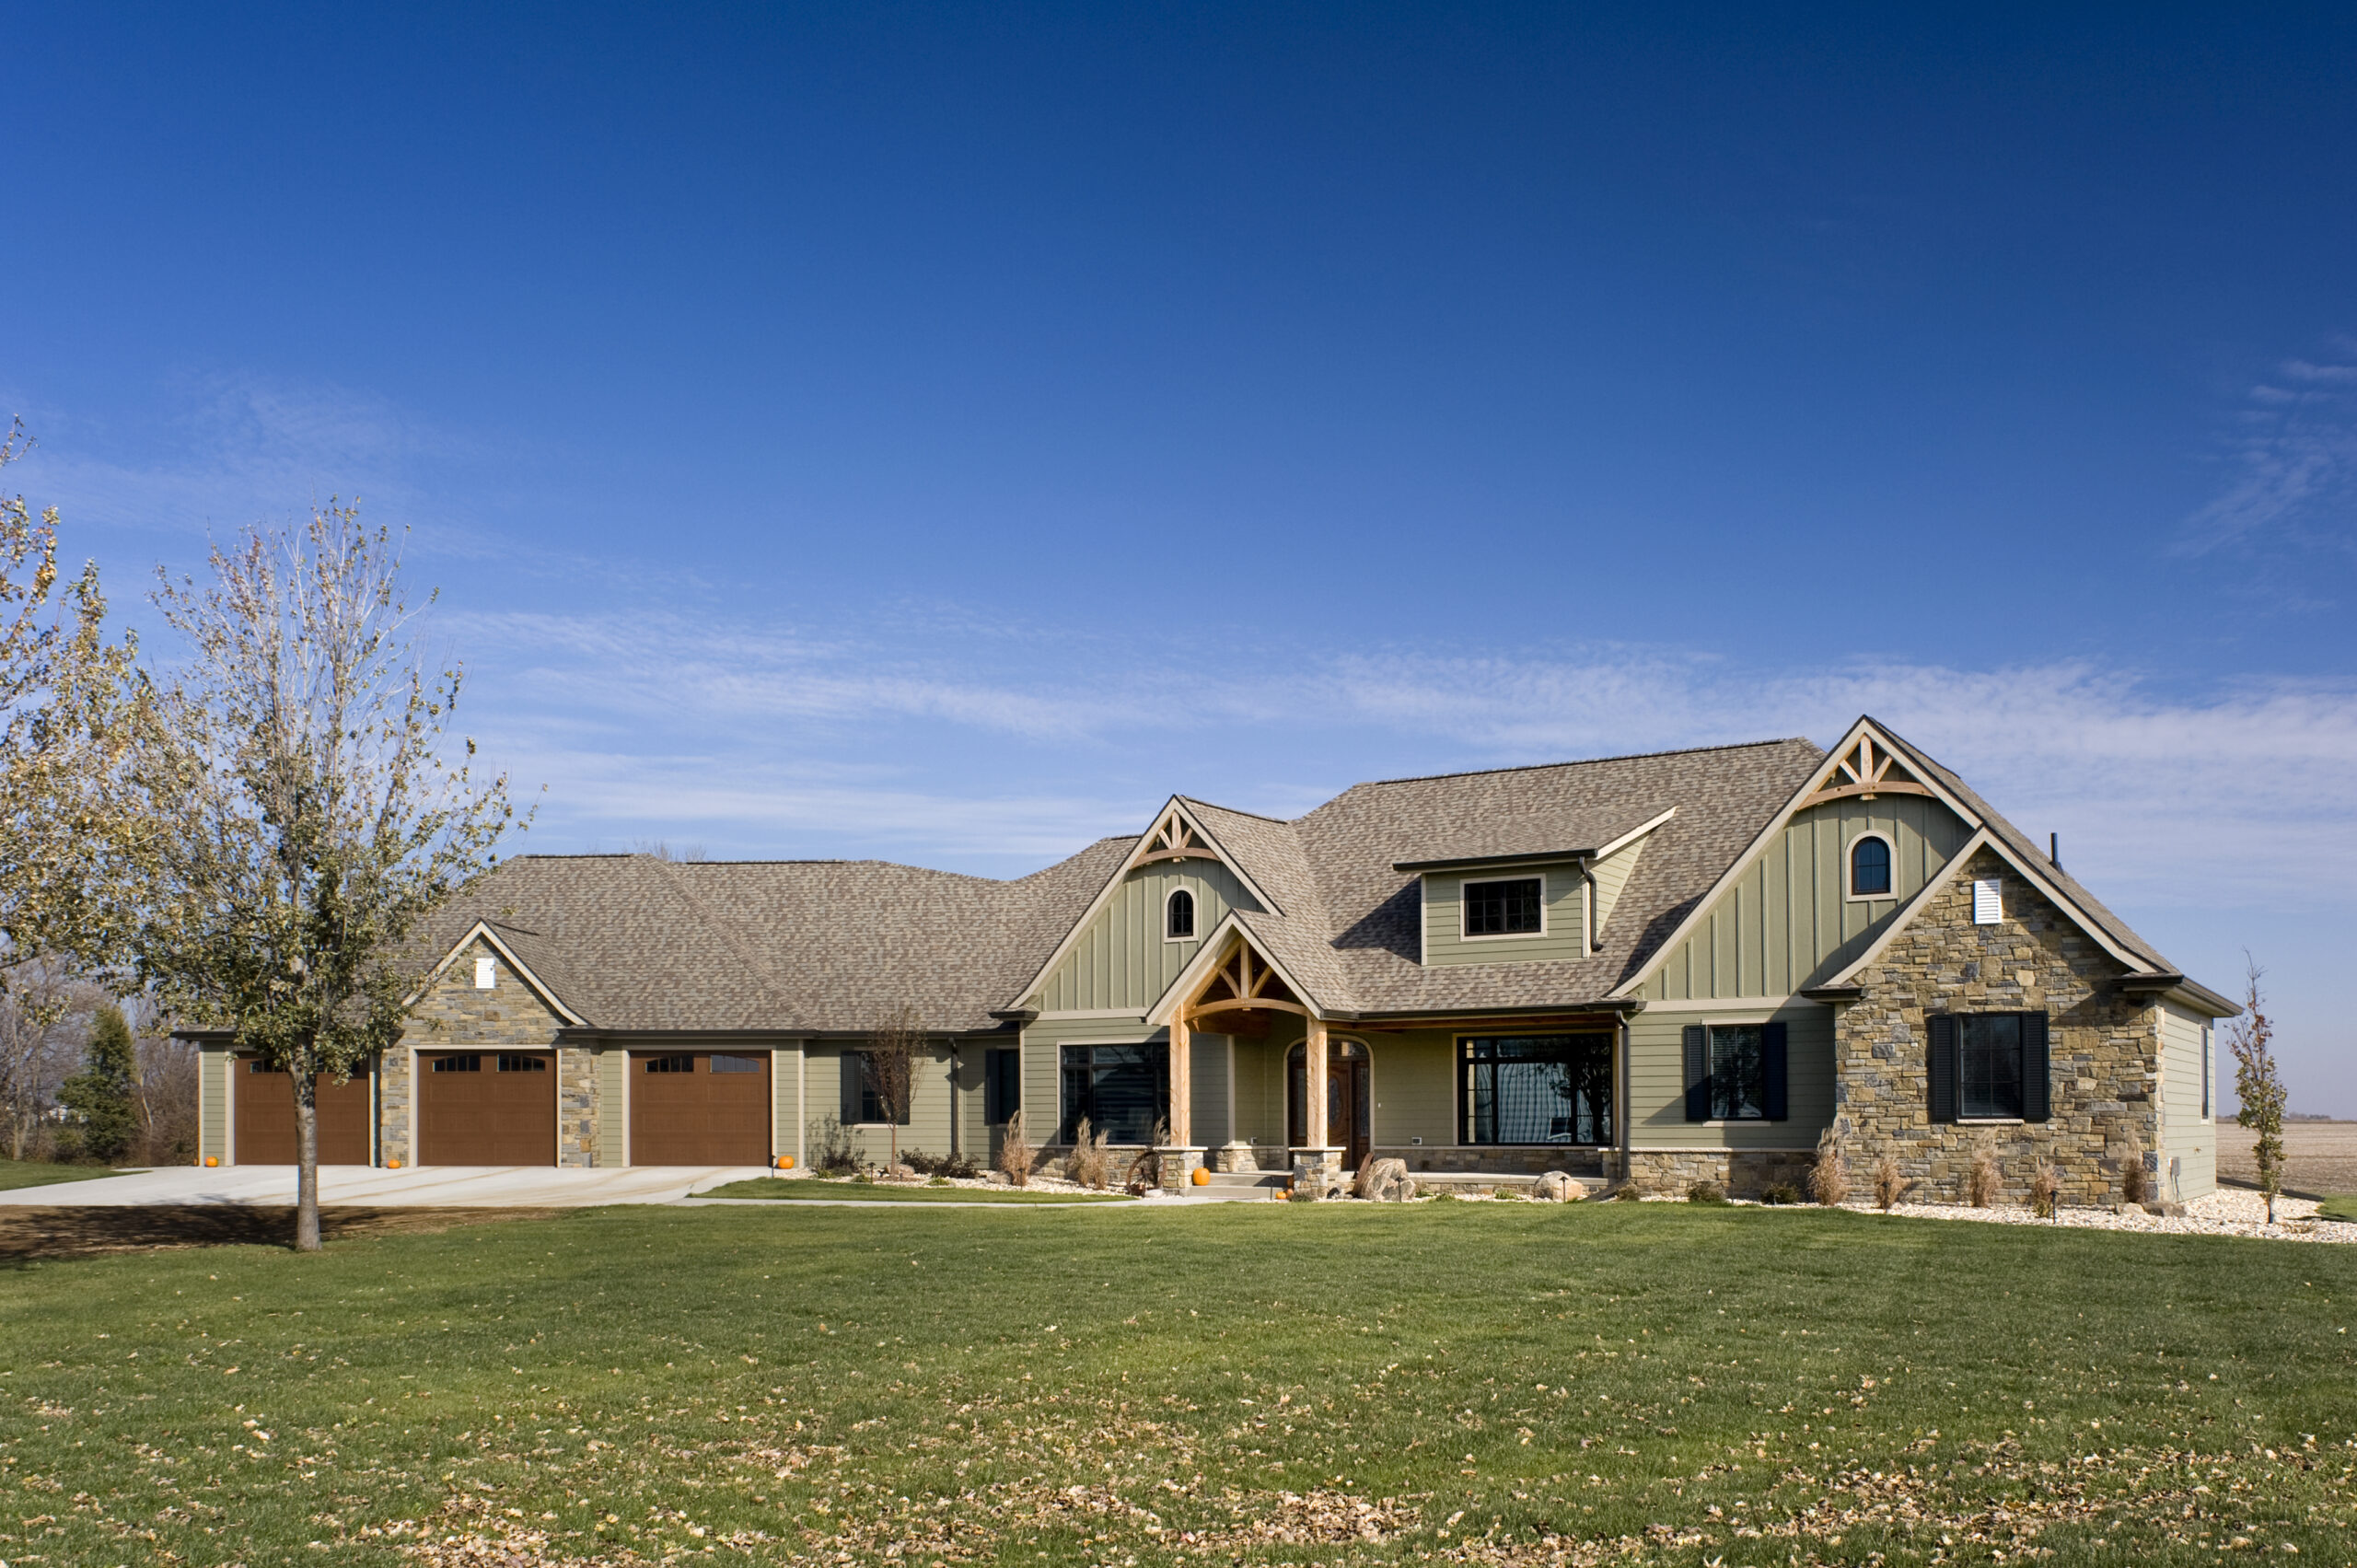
[
  {"x": 486, "y": 1108},
  {"x": 265, "y": 1115},
  {"x": 699, "y": 1107}
]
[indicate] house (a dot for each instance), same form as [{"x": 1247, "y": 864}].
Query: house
[{"x": 1661, "y": 969}]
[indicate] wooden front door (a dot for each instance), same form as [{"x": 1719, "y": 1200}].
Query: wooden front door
[
  {"x": 699, "y": 1107},
  {"x": 265, "y": 1115},
  {"x": 486, "y": 1108},
  {"x": 1348, "y": 1115}
]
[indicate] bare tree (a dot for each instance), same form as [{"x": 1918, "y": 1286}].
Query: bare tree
[
  {"x": 166, "y": 1086},
  {"x": 2257, "y": 1085},
  {"x": 44, "y": 1004},
  {"x": 893, "y": 1053},
  {"x": 294, "y": 819}
]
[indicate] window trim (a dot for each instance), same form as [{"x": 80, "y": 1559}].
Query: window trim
[
  {"x": 1850, "y": 893},
  {"x": 1463, "y": 906},
  {"x": 1063, "y": 1045},
  {"x": 1194, "y": 915},
  {"x": 1461, "y": 1116}
]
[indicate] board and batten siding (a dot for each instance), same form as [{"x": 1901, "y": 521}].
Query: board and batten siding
[
  {"x": 1122, "y": 960},
  {"x": 1562, "y": 895},
  {"x": 1787, "y": 921},
  {"x": 1656, "y": 1108},
  {"x": 2188, "y": 1141},
  {"x": 213, "y": 1064}
]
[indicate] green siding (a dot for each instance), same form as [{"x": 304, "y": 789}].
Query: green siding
[
  {"x": 1657, "y": 1108},
  {"x": 925, "y": 1132},
  {"x": 785, "y": 1097},
  {"x": 213, "y": 1103},
  {"x": 1612, "y": 873},
  {"x": 613, "y": 1120},
  {"x": 1122, "y": 960},
  {"x": 1445, "y": 942},
  {"x": 1412, "y": 1080},
  {"x": 2185, "y": 1137},
  {"x": 1786, "y": 922}
]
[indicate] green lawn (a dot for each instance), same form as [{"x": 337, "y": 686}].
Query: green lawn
[
  {"x": 882, "y": 1193},
  {"x": 1482, "y": 1383},
  {"x": 2343, "y": 1208},
  {"x": 36, "y": 1173}
]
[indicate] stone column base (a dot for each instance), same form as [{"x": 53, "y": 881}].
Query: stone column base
[
  {"x": 1178, "y": 1163},
  {"x": 1317, "y": 1170},
  {"x": 1236, "y": 1157}
]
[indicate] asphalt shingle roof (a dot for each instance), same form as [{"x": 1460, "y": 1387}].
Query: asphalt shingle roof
[{"x": 633, "y": 944}]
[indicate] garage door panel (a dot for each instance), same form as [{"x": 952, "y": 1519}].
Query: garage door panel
[
  {"x": 265, "y": 1115},
  {"x": 699, "y": 1107},
  {"x": 486, "y": 1108}
]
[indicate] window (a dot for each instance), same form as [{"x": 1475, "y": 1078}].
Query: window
[
  {"x": 258, "y": 1066},
  {"x": 518, "y": 1062},
  {"x": 1535, "y": 1089},
  {"x": 1001, "y": 1086},
  {"x": 671, "y": 1063},
  {"x": 1989, "y": 1067},
  {"x": 457, "y": 1064},
  {"x": 1123, "y": 1089},
  {"x": 1870, "y": 867},
  {"x": 1503, "y": 909},
  {"x": 861, "y": 1102},
  {"x": 734, "y": 1064},
  {"x": 1735, "y": 1072},
  {"x": 1178, "y": 916}
]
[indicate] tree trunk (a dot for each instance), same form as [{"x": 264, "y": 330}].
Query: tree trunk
[{"x": 306, "y": 1158}]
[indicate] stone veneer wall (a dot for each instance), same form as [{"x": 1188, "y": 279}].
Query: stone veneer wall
[
  {"x": 2102, "y": 1048},
  {"x": 1741, "y": 1173},
  {"x": 454, "y": 1016}
]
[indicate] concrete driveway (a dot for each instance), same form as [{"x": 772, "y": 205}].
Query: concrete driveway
[{"x": 446, "y": 1187}]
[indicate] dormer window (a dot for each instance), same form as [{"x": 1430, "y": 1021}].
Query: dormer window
[
  {"x": 1178, "y": 916},
  {"x": 1870, "y": 867},
  {"x": 1504, "y": 909}
]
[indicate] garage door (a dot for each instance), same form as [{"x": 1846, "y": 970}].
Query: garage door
[
  {"x": 699, "y": 1107},
  {"x": 265, "y": 1115},
  {"x": 486, "y": 1108}
]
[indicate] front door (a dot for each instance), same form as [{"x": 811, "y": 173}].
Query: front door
[{"x": 1348, "y": 1114}]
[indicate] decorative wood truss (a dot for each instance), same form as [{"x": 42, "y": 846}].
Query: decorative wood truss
[
  {"x": 1865, "y": 772},
  {"x": 1241, "y": 995},
  {"x": 1173, "y": 837}
]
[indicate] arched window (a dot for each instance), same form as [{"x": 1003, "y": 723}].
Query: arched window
[
  {"x": 1870, "y": 867},
  {"x": 1178, "y": 916}
]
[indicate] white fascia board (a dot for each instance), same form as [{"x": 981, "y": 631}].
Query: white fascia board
[
  {"x": 1633, "y": 834},
  {"x": 1980, "y": 840},
  {"x": 1767, "y": 836},
  {"x": 482, "y": 931},
  {"x": 1112, "y": 884}
]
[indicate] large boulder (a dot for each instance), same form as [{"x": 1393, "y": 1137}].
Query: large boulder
[
  {"x": 1558, "y": 1187},
  {"x": 1381, "y": 1179}
]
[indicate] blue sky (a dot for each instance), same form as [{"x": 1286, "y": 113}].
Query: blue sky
[{"x": 942, "y": 433}]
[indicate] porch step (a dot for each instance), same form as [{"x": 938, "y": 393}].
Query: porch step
[{"x": 1236, "y": 1179}]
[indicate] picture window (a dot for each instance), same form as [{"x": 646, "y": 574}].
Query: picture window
[
  {"x": 1122, "y": 1090},
  {"x": 1535, "y": 1089}
]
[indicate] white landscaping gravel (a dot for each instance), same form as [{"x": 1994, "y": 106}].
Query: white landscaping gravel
[{"x": 2227, "y": 1212}]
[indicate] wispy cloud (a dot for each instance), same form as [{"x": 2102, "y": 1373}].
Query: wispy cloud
[{"x": 2290, "y": 456}]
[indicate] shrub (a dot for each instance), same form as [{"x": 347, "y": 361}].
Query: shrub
[
  {"x": 956, "y": 1167},
  {"x": 1706, "y": 1193},
  {"x": 1782, "y": 1192},
  {"x": 1627, "y": 1192},
  {"x": 1980, "y": 1177},
  {"x": 833, "y": 1153},
  {"x": 1828, "y": 1179},
  {"x": 2045, "y": 1186},
  {"x": 1015, "y": 1152},
  {"x": 1890, "y": 1185},
  {"x": 1090, "y": 1164},
  {"x": 2135, "y": 1182}
]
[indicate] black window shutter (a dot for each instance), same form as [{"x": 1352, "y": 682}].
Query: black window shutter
[
  {"x": 1698, "y": 1075},
  {"x": 2038, "y": 1093},
  {"x": 1772, "y": 1055},
  {"x": 1943, "y": 1065}
]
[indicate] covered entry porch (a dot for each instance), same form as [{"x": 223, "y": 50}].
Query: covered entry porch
[{"x": 1261, "y": 1081}]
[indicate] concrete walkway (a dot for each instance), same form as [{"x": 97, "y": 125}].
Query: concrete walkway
[{"x": 445, "y": 1186}]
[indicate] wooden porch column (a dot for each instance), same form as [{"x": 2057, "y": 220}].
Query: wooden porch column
[
  {"x": 1182, "y": 1084},
  {"x": 1313, "y": 1060}
]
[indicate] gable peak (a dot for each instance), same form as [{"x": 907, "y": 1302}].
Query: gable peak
[{"x": 1868, "y": 765}]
